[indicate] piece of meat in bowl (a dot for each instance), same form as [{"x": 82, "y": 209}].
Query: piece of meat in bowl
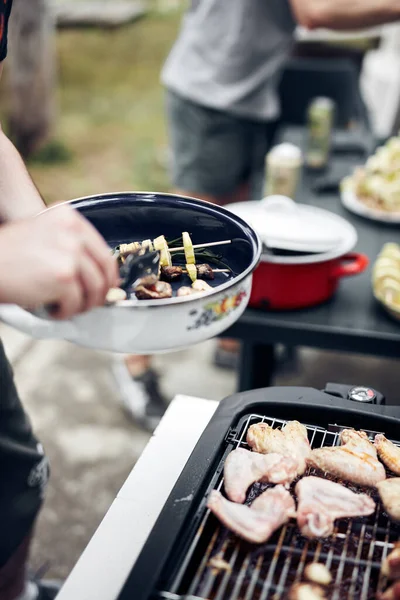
[{"x": 155, "y": 291}]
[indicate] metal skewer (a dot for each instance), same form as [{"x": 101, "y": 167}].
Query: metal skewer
[{"x": 201, "y": 245}]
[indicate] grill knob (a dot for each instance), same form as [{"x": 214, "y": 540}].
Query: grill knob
[{"x": 355, "y": 393}]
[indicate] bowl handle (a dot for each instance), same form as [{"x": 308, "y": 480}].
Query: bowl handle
[{"x": 353, "y": 263}]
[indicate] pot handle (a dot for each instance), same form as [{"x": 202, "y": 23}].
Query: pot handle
[{"x": 354, "y": 263}]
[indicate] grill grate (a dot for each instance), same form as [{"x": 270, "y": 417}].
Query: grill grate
[{"x": 353, "y": 554}]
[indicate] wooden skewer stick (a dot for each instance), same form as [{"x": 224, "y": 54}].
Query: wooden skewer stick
[
  {"x": 201, "y": 245},
  {"x": 213, "y": 270}
]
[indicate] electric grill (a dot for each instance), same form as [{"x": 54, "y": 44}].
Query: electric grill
[{"x": 174, "y": 563}]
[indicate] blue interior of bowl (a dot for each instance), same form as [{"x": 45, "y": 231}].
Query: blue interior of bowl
[{"x": 128, "y": 217}]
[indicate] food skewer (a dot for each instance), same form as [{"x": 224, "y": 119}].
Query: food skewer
[{"x": 207, "y": 245}]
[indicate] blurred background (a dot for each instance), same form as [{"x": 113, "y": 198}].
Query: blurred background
[{"x": 87, "y": 114}]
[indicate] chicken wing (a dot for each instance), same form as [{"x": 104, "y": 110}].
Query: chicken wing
[
  {"x": 243, "y": 468},
  {"x": 391, "y": 564},
  {"x": 291, "y": 440},
  {"x": 389, "y": 491},
  {"x": 255, "y": 523},
  {"x": 321, "y": 501},
  {"x": 388, "y": 453},
  {"x": 355, "y": 460}
]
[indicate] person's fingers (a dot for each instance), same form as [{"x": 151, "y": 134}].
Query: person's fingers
[
  {"x": 96, "y": 246},
  {"x": 70, "y": 302},
  {"x": 94, "y": 284}
]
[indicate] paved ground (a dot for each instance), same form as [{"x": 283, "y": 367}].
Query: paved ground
[{"x": 71, "y": 397}]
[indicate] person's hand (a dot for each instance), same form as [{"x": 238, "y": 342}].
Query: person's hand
[{"x": 58, "y": 259}]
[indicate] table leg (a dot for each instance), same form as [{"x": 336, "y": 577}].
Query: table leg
[{"x": 257, "y": 363}]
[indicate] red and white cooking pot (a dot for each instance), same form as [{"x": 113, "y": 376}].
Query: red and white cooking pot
[{"x": 307, "y": 250}]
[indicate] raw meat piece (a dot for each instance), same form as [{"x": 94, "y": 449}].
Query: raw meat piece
[
  {"x": 321, "y": 501},
  {"x": 391, "y": 564},
  {"x": 255, "y": 523},
  {"x": 243, "y": 468},
  {"x": 355, "y": 460},
  {"x": 388, "y": 453},
  {"x": 291, "y": 440},
  {"x": 389, "y": 491},
  {"x": 392, "y": 593}
]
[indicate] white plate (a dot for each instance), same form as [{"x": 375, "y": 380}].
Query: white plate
[{"x": 354, "y": 205}]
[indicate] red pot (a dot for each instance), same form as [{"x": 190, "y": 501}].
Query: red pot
[
  {"x": 312, "y": 251},
  {"x": 290, "y": 286}
]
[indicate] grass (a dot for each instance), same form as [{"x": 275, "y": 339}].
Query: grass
[{"x": 110, "y": 132}]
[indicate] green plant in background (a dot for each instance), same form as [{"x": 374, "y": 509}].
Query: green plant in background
[{"x": 111, "y": 132}]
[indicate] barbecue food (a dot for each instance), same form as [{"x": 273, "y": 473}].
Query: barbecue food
[
  {"x": 185, "y": 290},
  {"x": 388, "y": 452},
  {"x": 321, "y": 501},
  {"x": 391, "y": 564},
  {"x": 392, "y": 593},
  {"x": 203, "y": 271},
  {"x": 306, "y": 591},
  {"x": 355, "y": 460},
  {"x": 201, "y": 286},
  {"x": 255, "y": 523},
  {"x": 389, "y": 491},
  {"x": 243, "y": 468},
  {"x": 217, "y": 563},
  {"x": 170, "y": 273},
  {"x": 155, "y": 291},
  {"x": 115, "y": 295},
  {"x": 291, "y": 441},
  {"x": 318, "y": 573}
]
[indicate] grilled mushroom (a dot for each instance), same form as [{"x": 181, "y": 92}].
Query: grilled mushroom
[
  {"x": 115, "y": 295},
  {"x": 201, "y": 286},
  {"x": 318, "y": 573},
  {"x": 170, "y": 273},
  {"x": 185, "y": 290},
  {"x": 157, "y": 291}
]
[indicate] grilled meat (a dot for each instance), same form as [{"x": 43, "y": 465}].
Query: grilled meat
[
  {"x": 158, "y": 290},
  {"x": 243, "y": 468},
  {"x": 389, "y": 491},
  {"x": 355, "y": 460},
  {"x": 306, "y": 591},
  {"x": 204, "y": 271},
  {"x": 321, "y": 501},
  {"x": 291, "y": 440},
  {"x": 391, "y": 564},
  {"x": 170, "y": 273},
  {"x": 392, "y": 593},
  {"x": 388, "y": 452},
  {"x": 255, "y": 523}
]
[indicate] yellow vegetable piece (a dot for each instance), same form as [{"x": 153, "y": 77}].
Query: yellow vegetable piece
[
  {"x": 188, "y": 247},
  {"x": 161, "y": 245},
  {"x": 192, "y": 272},
  {"x": 148, "y": 244}
]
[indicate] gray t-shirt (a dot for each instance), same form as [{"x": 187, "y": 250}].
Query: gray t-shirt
[{"x": 230, "y": 53}]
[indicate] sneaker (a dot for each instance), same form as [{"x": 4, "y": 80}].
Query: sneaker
[
  {"x": 48, "y": 589},
  {"x": 141, "y": 396}
]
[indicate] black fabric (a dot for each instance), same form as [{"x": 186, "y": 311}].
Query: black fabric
[
  {"x": 24, "y": 468},
  {"x": 5, "y": 10}
]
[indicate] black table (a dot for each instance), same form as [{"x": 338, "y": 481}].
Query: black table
[{"x": 352, "y": 321}]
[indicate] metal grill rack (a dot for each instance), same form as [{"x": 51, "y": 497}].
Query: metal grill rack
[{"x": 353, "y": 554}]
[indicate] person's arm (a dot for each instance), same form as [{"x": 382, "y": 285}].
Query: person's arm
[
  {"x": 19, "y": 197},
  {"x": 345, "y": 14}
]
